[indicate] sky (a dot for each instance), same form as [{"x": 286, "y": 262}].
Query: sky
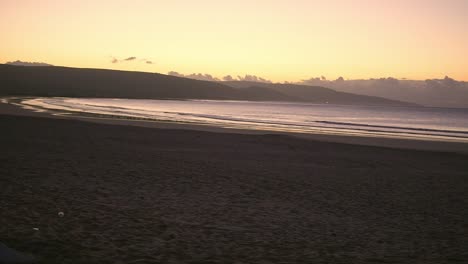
[{"x": 279, "y": 40}]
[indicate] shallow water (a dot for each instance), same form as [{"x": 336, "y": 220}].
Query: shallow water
[{"x": 380, "y": 121}]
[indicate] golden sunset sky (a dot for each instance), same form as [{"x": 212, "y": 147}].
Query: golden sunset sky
[{"x": 278, "y": 40}]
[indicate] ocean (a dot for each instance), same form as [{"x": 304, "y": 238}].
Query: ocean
[{"x": 441, "y": 124}]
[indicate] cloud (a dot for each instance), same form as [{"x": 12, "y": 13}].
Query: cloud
[
  {"x": 447, "y": 82},
  {"x": 382, "y": 83},
  {"x": 209, "y": 77},
  {"x": 114, "y": 60},
  {"x": 444, "y": 92},
  {"x": 203, "y": 77},
  {"x": 174, "y": 73},
  {"x": 27, "y": 63},
  {"x": 195, "y": 76},
  {"x": 252, "y": 78},
  {"x": 314, "y": 81},
  {"x": 228, "y": 78},
  {"x": 322, "y": 81}
]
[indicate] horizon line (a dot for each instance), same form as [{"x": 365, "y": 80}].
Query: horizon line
[{"x": 220, "y": 79}]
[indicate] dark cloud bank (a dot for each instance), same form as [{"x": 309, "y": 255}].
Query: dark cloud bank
[
  {"x": 209, "y": 77},
  {"x": 445, "y": 92}
]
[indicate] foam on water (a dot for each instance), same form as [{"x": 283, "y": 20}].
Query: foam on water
[{"x": 378, "y": 121}]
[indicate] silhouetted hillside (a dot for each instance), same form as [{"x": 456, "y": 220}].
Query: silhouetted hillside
[
  {"x": 266, "y": 94},
  {"x": 444, "y": 92},
  {"x": 76, "y": 82},
  {"x": 317, "y": 94}
]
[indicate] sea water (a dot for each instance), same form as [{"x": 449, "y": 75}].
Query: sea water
[{"x": 446, "y": 124}]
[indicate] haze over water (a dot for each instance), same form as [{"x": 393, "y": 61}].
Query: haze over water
[{"x": 379, "y": 121}]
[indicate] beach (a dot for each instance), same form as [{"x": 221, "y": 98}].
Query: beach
[{"x": 147, "y": 192}]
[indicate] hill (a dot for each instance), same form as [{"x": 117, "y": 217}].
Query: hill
[
  {"x": 318, "y": 94},
  {"x": 99, "y": 83}
]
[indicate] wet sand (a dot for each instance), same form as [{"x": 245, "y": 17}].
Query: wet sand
[
  {"x": 400, "y": 143},
  {"x": 135, "y": 194}
]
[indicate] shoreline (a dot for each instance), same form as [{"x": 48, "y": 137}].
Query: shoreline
[
  {"x": 377, "y": 141},
  {"x": 133, "y": 194}
]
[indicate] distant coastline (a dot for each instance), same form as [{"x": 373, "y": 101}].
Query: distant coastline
[{"x": 97, "y": 83}]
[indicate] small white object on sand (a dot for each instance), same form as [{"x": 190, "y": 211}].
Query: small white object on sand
[
  {"x": 61, "y": 214},
  {"x": 35, "y": 229}
]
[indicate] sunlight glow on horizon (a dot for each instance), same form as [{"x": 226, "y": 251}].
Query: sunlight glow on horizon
[{"x": 278, "y": 40}]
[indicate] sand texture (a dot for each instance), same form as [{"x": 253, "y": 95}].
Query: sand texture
[{"x": 148, "y": 195}]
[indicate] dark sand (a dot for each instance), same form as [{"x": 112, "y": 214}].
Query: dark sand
[{"x": 146, "y": 195}]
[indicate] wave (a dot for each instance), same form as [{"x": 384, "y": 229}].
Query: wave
[
  {"x": 262, "y": 119},
  {"x": 347, "y": 126},
  {"x": 395, "y": 127}
]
